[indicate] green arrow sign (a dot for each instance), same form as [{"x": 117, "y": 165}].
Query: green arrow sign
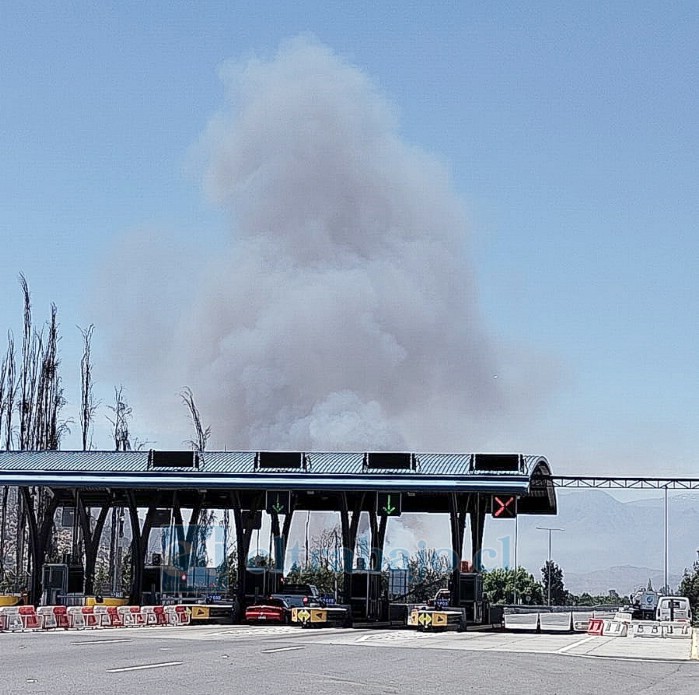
[
  {"x": 278, "y": 502},
  {"x": 388, "y": 503}
]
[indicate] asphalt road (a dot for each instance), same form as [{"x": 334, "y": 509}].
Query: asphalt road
[{"x": 214, "y": 661}]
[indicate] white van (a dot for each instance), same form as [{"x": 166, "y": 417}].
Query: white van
[{"x": 675, "y": 608}]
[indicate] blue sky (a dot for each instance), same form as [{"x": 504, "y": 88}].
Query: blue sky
[{"x": 570, "y": 133}]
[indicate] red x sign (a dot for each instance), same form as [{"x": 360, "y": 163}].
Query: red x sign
[{"x": 504, "y": 507}]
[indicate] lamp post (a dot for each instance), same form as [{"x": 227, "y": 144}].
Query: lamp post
[
  {"x": 665, "y": 549},
  {"x": 548, "y": 564}
]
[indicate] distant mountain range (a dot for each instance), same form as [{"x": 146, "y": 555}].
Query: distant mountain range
[{"x": 622, "y": 579}]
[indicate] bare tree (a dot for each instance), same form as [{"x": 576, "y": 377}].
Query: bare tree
[
  {"x": 7, "y": 404},
  {"x": 88, "y": 405},
  {"x": 47, "y": 428},
  {"x": 201, "y": 434},
  {"x": 9, "y": 392},
  {"x": 122, "y": 414},
  {"x": 31, "y": 347},
  {"x": 38, "y": 402}
]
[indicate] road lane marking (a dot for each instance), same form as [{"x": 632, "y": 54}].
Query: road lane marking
[
  {"x": 99, "y": 641},
  {"x": 144, "y": 666},
  {"x": 280, "y": 649},
  {"x": 563, "y": 650}
]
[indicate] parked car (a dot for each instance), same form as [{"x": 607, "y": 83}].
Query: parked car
[{"x": 269, "y": 610}]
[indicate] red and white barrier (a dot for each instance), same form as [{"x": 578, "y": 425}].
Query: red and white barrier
[
  {"x": 102, "y": 617},
  {"x": 30, "y": 619},
  {"x": 178, "y": 615},
  {"x": 115, "y": 618},
  {"x": 595, "y": 626},
  {"x": 9, "y": 619},
  {"x": 27, "y": 618},
  {"x": 76, "y": 618}
]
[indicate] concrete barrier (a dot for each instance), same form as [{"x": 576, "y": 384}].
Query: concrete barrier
[
  {"x": 581, "y": 620},
  {"x": 604, "y": 614},
  {"x": 558, "y": 621},
  {"x": 615, "y": 628},
  {"x": 676, "y": 630},
  {"x": 521, "y": 618},
  {"x": 647, "y": 629}
]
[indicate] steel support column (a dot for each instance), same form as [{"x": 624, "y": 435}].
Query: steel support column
[
  {"x": 349, "y": 519},
  {"x": 477, "y": 518}
]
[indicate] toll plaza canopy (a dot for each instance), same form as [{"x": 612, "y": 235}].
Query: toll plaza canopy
[
  {"x": 467, "y": 487},
  {"x": 428, "y": 482}
]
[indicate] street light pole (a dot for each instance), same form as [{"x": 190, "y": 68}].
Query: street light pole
[
  {"x": 548, "y": 564},
  {"x": 665, "y": 553}
]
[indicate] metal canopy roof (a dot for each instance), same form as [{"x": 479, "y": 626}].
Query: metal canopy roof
[{"x": 424, "y": 474}]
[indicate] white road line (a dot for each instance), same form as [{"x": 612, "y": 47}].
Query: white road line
[
  {"x": 280, "y": 649},
  {"x": 145, "y": 666},
  {"x": 563, "y": 650},
  {"x": 100, "y": 641}
]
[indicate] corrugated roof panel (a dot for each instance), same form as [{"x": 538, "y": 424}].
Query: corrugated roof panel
[
  {"x": 444, "y": 464},
  {"x": 74, "y": 460},
  {"x": 340, "y": 462},
  {"x": 234, "y": 462},
  {"x": 227, "y": 461}
]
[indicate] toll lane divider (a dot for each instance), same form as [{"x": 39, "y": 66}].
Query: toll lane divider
[
  {"x": 615, "y": 628},
  {"x": 663, "y": 629},
  {"x": 595, "y": 626},
  {"x": 27, "y": 618},
  {"x": 554, "y": 618}
]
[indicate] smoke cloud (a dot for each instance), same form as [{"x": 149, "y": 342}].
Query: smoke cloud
[{"x": 343, "y": 315}]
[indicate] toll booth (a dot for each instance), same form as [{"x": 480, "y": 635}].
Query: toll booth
[
  {"x": 260, "y": 582},
  {"x": 55, "y": 583},
  {"x": 152, "y": 585},
  {"x": 76, "y": 579},
  {"x": 367, "y": 597},
  {"x": 468, "y": 594}
]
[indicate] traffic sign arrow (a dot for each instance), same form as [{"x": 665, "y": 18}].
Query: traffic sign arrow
[
  {"x": 389, "y": 508},
  {"x": 424, "y": 619},
  {"x": 388, "y": 503},
  {"x": 278, "y": 502}
]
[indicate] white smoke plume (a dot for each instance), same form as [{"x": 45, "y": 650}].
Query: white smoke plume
[{"x": 343, "y": 315}]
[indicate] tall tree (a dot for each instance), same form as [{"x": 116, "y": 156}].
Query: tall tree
[
  {"x": 689, "y": 587},
  {"x": 88, "y": 406},
  {"x": 40, "y": 428},
  {"x": 122, "y": 415},
  {"x": 512, "y": 586},
  {"x": 201, "y": 433},
  {"x": 193, "y": 547},
  {"x": 7, "y": 406},
  {"x": 552, "y": 581}
]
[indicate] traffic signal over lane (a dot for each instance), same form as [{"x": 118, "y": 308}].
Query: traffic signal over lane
[
  {"x": 388, "y": 503},
  {"x": 278, "y": 501},
  {"x": 504, "y": 506}
]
